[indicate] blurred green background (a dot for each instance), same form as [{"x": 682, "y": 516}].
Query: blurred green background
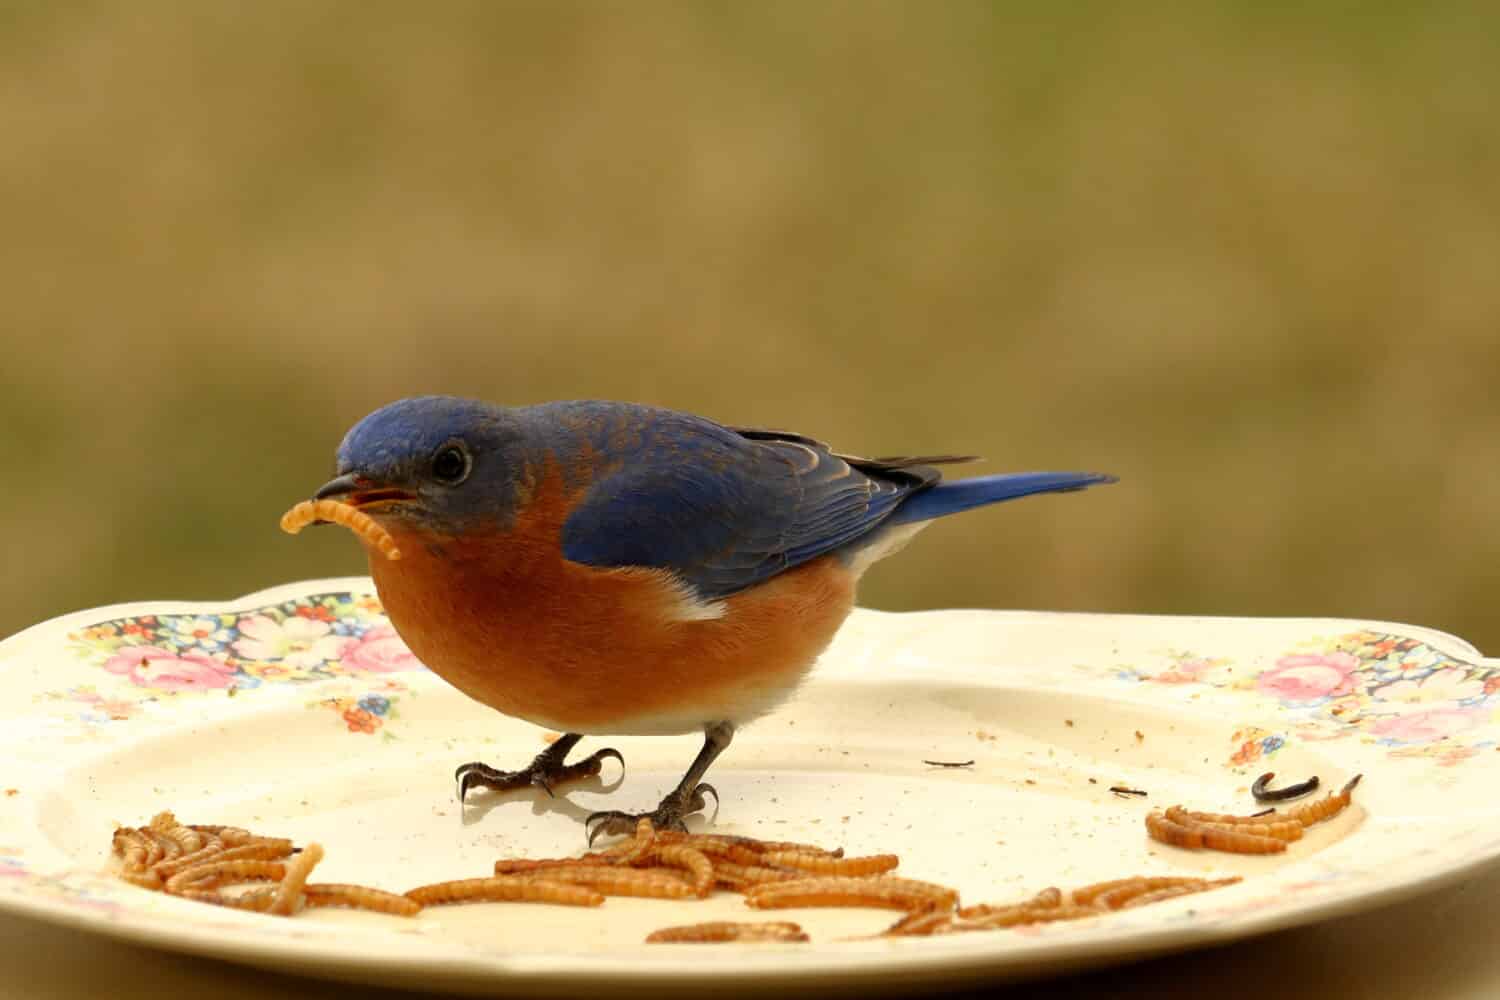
[{"x": 1245, "y": 255}]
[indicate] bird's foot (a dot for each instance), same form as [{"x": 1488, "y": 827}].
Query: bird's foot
[
  {"x": 669, "y": 815},
  {"x": 546, "y": 772}
]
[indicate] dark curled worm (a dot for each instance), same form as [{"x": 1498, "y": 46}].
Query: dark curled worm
[{"x": 1264, "y": 794}]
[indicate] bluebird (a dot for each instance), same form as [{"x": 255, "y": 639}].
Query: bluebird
[{"x": 603, "y": 568}]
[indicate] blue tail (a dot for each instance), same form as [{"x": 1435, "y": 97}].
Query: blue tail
[{"x": 950, "y": 498}]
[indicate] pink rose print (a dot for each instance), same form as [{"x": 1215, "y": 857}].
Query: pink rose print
[
  {"x": 148, "y": 666},
  {"x": 380, "y": 651},
  {"x": 1309, "y": 676},
  {"x": 1186, "y": 672},
  {"x": 1425, "y": 727}
]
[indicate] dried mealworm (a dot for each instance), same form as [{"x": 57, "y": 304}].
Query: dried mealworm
[
  {"x": 884, "y": 892},
  {"x": 719, "y": 931},
  {"x": 214, "y": 873},
  {"x": 510, "y": 890},
  {"x": 360, "y": 897},
  {"x": 289, "y": 892},
  {"x": 1327, "y": 807},
  {"x": 356, "y": 520},
  {"x": 822, "y": 864},
  {"x": 1287, "y": 830},
  {"x": 1172, "y": 892},
  {"x": 692, "y": 861},
  {"x": 1263, "y": 793}
]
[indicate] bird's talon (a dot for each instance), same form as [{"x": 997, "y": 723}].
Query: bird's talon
[{"x": 547, "y": 771}]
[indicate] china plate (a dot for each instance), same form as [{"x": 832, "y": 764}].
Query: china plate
[{"x": 298, "y": 712}]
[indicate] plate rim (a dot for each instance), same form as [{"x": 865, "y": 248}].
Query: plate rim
[{"x": 468, "y": 968}]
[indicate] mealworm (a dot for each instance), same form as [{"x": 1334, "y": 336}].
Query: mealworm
[
  {"x": 721, "y": 843},
  {"x": 289, "y": 893},
  {"x": 1050, "y": 896},
  {"x": 1045, "y": 899},
  {"x": 718, "y": 847},
  {"x": 1121, "y": 895},
  {"x": 921, "y": 923},
  {"x": 1325, "y": 808},
  {"x": 187, "y": 839},
  {"x": 213, "y": 873},
  {"x": 1169, "y": 832},
  {"x": 629, "y": 851},
  {"x": 766, "y": 846},
  {"x": 167, "y": 847},
  {"x": 736, "y": 876},
  {"x": 356, "y": 520},
  {"x": 1178, "y": 814},
  {"x": 1226, "y": 837},
  {"x": 1263, "y": 793},
  {"x": 212, "y": 848},
  {"x": 719, "y": 931},
  {"x": 692, "y": 861},
  {"x": 360, "y": 897},
  {"x": 258, "y": 900},
  {"x": 510, "y": 890},
  {"x": 526, "y": 866},
  {"x": 1026, "y": 913},
  {"x": 147, "y": 879},
  {"x": 1287, "y": 830},
  {"x": 132, "y": 847},
  {"x": 613, "y": 881},
  {"x": 885, "y": 893},
  {"x": 233, "y": 836},
  {"x": 821, "y": 864},
  {"x": 1172, "y": 892}
]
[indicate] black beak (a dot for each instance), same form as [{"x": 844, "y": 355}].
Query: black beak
[{"x": 338, "y": 488}]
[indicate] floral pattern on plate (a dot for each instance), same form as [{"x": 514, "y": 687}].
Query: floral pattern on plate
[
  {"x": 319, "y": 637},
  {"x": 1396, "y": 691}
]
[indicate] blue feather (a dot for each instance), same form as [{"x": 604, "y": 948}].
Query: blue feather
[{"x": 966, "y": 494}]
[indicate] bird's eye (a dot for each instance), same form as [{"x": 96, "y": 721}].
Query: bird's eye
[{"x": 450, "y": 464}]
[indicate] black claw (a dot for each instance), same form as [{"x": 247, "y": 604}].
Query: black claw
[
  {"x": 698, "y": 795},
  {"x": 607, "y": 753},
  {"x": 610, "y": 821}
]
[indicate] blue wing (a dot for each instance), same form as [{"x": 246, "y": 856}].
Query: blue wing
[{"x": 726, "y": 509}]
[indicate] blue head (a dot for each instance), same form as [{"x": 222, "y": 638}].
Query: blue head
[{"x": 435, "y": 462}]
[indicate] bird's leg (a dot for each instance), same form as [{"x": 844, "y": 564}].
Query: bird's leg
[
  {"x": 681, "y": 802},
  {"x": 546, "y": 772}
]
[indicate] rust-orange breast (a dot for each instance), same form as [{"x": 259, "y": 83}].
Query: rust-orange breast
[{"x": 506, "y": 619}]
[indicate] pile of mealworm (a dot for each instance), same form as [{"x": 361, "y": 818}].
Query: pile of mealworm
[
  {"x": 220, "y": 865},
  {"x": 198, "y": 862},
  {"x": 1260, "y": 833}
]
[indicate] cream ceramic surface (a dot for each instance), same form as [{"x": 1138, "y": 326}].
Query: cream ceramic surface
[{"x": 297, "y": 712}]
